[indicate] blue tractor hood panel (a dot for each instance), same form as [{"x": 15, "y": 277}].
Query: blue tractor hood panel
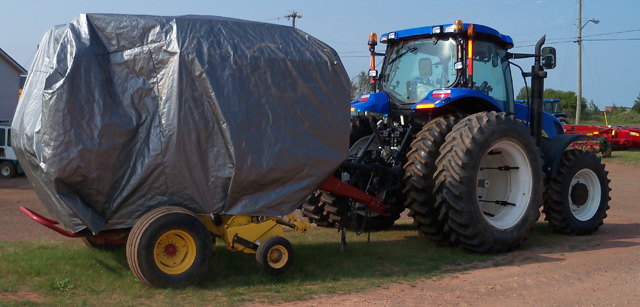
[
  {"x": 551, "y": 126},
  {"x": 373, "y": 102},
  {"x": 442, "y": 97}
]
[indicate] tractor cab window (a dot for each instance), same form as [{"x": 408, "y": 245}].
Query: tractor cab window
[
  {"x": 414, "y": 68},
  {"x": 492, "y": 74},
  {"x": 552, "y": 107},
  {"x": 2, "y": 137}
]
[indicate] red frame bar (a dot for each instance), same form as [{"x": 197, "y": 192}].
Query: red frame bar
[
  {"x": 49, "y": 223},
  {"x": 335, "y": 186}
]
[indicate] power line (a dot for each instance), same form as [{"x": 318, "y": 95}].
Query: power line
[
  {"x": 610, "y": 33},
  {"x": 593, "y": 35},
  {"x": 611, "y": 39}
]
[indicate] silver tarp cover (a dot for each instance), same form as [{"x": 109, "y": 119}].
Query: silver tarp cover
[{"x": 122, "y": 114}]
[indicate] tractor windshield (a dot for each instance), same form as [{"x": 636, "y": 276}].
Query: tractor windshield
[{"x": 414, "y": 68}]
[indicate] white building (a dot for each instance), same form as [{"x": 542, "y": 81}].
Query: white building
[{"x": 10, "y": 84}]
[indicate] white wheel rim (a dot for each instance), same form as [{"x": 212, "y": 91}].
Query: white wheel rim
[
  {"x": 590, "y": 207},
  {"x": 511, "y": 187}
]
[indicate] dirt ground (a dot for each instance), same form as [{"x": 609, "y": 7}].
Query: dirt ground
[{"x": 601, "y": 269}]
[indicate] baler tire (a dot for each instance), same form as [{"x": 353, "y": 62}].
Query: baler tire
[
  {"x": 313, "y": 209},
  {"x": 275, "y": 255},
  {"x": 432, "y": 221},
  {"x": 494, "y": 205},
  {"x": 161, "y": 234},
  {"x": 7, "y": 169},
  {"x": 577, "y": 170}
]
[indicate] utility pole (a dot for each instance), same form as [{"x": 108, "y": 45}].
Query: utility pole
[
  {"x": 579, "y": 41},
  {"x": 579, "y": 105},
  {"x": 293, "y": 16}
]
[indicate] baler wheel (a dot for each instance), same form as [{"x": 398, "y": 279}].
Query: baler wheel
[
  {"x": 275, "y": 255},
  {"x": 577, "y": 199},
  {"x": 490, "y": 175},
  {"x": 169, "y": 247},
  {"x": 419, "y": 183}
]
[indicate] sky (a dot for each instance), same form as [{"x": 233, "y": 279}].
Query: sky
[{"x": 609, "y": 57}]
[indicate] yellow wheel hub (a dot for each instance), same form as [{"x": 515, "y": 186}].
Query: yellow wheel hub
[
  {"x": 175, "y": 252},
  {"x": 277, "y": 256}
]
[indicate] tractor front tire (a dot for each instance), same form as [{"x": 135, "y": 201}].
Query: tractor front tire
[
  {"x": 563, "y": 120},
  {"x": 432, "y": 221},
  {"x": 490, "y": 175},
  {"x": 313, "y": 209},
  {"x": 577, "y": 199},
  {"x": 275, "y": 255},
  {"x": 169, "y": 247}
]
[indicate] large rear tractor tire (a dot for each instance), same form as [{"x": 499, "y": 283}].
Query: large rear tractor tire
[
  {"x": 490, "y": 175},
  {"x": 169, "y": 247},
  {"x": 419, "y": 170},
  {"x": 577, "y": 199}
]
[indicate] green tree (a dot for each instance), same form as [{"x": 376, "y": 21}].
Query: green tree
[
  {"x": 360, "y": 85},
  {"x": 592, "y": 107},
  {"x": 523, "y": 93},
  {"x": 636, "y": 104}
]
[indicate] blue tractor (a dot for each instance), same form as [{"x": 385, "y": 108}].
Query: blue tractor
[
  {"x": 472, "y": 165},
  {"x": 552, "y": 106}
]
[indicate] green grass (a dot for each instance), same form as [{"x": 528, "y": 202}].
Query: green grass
[
  {"x": 66, "y": 273},
  {"x": 625, "y": 157}
]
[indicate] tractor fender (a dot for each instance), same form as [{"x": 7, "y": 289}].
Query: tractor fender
[{"x": 554, "y": 148}]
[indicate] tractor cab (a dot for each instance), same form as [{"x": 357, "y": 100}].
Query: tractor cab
[{"x": 432, "y": 67}]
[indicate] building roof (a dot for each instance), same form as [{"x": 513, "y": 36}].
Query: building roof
[{"x": 12, "y": 62}]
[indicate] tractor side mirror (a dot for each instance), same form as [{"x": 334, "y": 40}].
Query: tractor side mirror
[{"x": 549, "y": 57}]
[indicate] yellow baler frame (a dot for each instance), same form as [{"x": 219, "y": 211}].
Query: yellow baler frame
[{"x": 244, "y": 233}]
